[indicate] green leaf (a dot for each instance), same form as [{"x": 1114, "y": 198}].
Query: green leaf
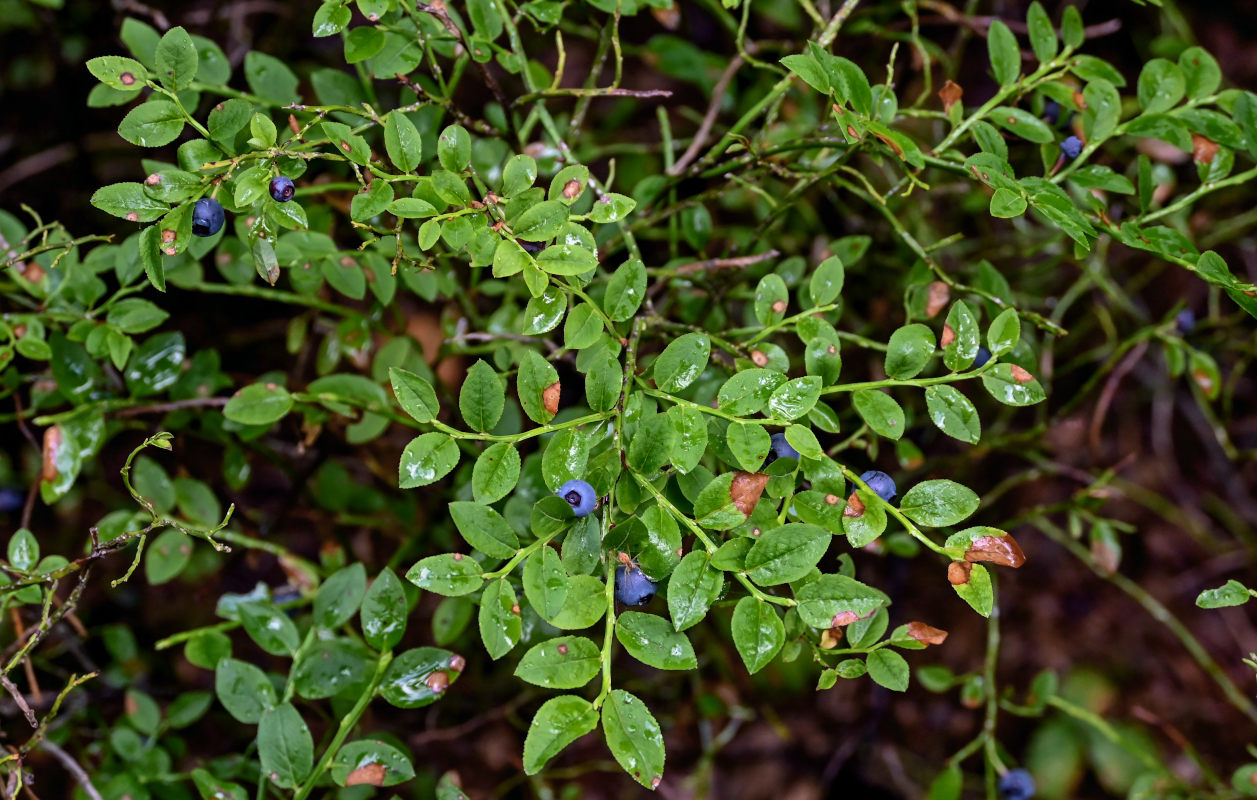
[
  {"x": 482, "y": 397},
  {"x": 1006, "y": 203},
  {"x": 749, "y": 444},
  {"x": 156, "y": 364},
  {"x": 363, "y": 42},
  {"x": 270, "y": 78},
  {"x": 545, "y": 583},
  {"x": 167, "y": 556},
  {"x": 863, "y": 529},
  {"x": 568, "y": 662},
  {"x": 1161, "y": 86},
  {"x": 809, "y": 69},
  {"x": 652, "y": 641},
  {"x": 651, "y": 446},
  {"x": 536, "y": 376},
  {"x": 496, "y": 472},
  {"x": 747, "y": 392},
  {"x": 176, "y": 59},
  {"x": 427, "y": 459},
  {"x": 1013, "y": 386},
  {"x": 786, "y": 553},
  {"x": 384, "y": 611},
  {"x": 559, "y": 722},
  {"x": 952, "y": 412},
  {"x": 795, "y": 398},
  {"x": 939, "y": 503},
  {"x": 583, "y": 327},
  {"x": 888, "y": 668},
  {"x": 908, "y": 351},
  {"x": 449, "y": 574},
  {"x": 519, "y": 174},
  {"x": 1022, "y": 123},
  {"x": 484, "y": 529},
  {"x": 827, "y": 280},
  {"x": 611, "y": 207},
  {"x": 1004, "y": 52},
  {"x": 771, "y": 299},
  {"x": 694, "y": 586},
  {"x": 682, "y": 361},
  {"x": 625, "y": 290},
  {"x": 880, "y": 411},
  {"x": 244, "y": 690},
  {"x": 1231, "y": 593},
  {"x": 500, "y": 626},
  {"x": 129, "y": 201},
  {"x": 690, "y": 440},
  {"x": 977, "y": 592},
  {"x": 285, "y": 746},
  {"x": 118, "y": 72},
  {"x": 23, "y": 550},
  {"x": 541, "y": 222},
  {"x": 1103, "y": 110},
  {"x": 330, "y": 19},
  {"x": 453, "y": 148},
  {"x": 1201, "y": 74},
  {"x": 414, "y": 394},
  {"x": 409, "y": 681},
  {"x": 356, "y": 755},
  {"x": 758, "y": 633},
  {"x": 829, "y": 595},
  {"x": 270, "y": 628},
  {"x": 1072, "y": 31},
  {"x": 259, "y": 404},
  {"x": 339, "y": 596},
  {"x": 402, "y": 141},
  {"x": 1042, "y": 34},
  {"x": 1004, "y": 332},
  {"x": 633, "y": 737}
]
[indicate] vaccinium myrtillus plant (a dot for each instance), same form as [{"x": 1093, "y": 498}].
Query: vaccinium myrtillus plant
[{"x": 619, "y": 346}]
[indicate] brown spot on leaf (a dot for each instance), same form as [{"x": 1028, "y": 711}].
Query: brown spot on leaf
[
  {"x": 1204, "y": 380},
  {"x": 132, "y": 216},
  {"x": 779, "y": 306},
  {"x": 832, "y": 349},
  {"x": 515, "y": 609},
  {"x": 562, "y": 649},
  {"x": 940, "y": 294},
  {"x": 845, "y": 618},
  {"x": 1203, "y": 150},
  {"x": 171, "y": 251},
  {"x": 958, "y": 573},
  {"x": 130, "y": 705},
  {"x": 571, "y": 189},
  {"x": 926, "y": 634},
  {"x": 832, "y": 499},
  {"x": 458, "y": 556},
  {"x": 746, "y": 489},
  {"x": 758, "y": 357},
  {"x": 437, "y": 682},
  {"x": 52, "y": 446},
  {"x": 948, "y": 336},
  {"x": 153, "y": 180},
  {"x": 669, "y": 17},
  {"x": 457, "y": 663},
  {"x": 1002, "y": 550},
  {"x": 550, "y": 397},
  {"x": 127, "y": 79},
  {"x": 851, "y": 131},
  {"x": 367, "y": 775},
  {"x": 855, "y": 507},
  {"x": 891, "y": 143},
  {"x": 950, "y": 94},
  {"x": 1020, "y": 375},
  {"x": 830, "y": 638},
  {"x": 1105, "y": 556},
  {"x": 1080, "y": 101},
  {"x": 168, "y": 236}
]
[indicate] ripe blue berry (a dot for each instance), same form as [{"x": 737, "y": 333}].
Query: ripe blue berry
[
  {"x": 880, "y": 483},
  {"x": 1016, "y": 784},
  {"x": 1185, "y": 321},
  {"x": 282, "y": 189},
  {"x": 981, "y": 358},
  {"x": 1052, "y": 112},
  {"x": 780, "y": 448},
  {"x": 207, "y": 217},
  {"x": 579, "y": 495},
  {"x": 1071, "y": 147},
  {"x": 632, "y": 587},
  {"x": 11, "y": 500}
]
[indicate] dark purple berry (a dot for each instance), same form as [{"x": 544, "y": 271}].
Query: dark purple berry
[
  {"x": 981, "y": 358},
  {"x": 632, "y": 587},
  {"x": 207, "y": 217},
  {"x": 282, "y": 189},
  {"x": 11, "y": 500},
  {"x": 880, "y": 484},
  {"x": 780, "y": 448},
  {"x": 580, "y": 496},
  {"x": 1016, "y": 784},
  {"x": 1185, "y": 321},
  {"x": 1071, "y": 147}
]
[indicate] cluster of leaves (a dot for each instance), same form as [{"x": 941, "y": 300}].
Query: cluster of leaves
[{"x": 673, "y": 422}]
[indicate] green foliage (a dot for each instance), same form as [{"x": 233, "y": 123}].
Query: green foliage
[{"x": 620, "y": 337}]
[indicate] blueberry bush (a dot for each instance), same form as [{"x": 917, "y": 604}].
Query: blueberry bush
[{"x": 534, "y": 348}]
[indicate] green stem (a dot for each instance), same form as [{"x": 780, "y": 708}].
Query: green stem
[{"x": 347, "y": 724}]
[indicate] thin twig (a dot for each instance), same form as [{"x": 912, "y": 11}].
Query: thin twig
[
  {"x": 16, "y": 694},
  {"x": 710, "y": 264},
  {"x": 174, "y": 405},
  {"x": 72, "y": 767},
  {"x": 709, "y": 119},
  {"x": 1110, "y": 388}
]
